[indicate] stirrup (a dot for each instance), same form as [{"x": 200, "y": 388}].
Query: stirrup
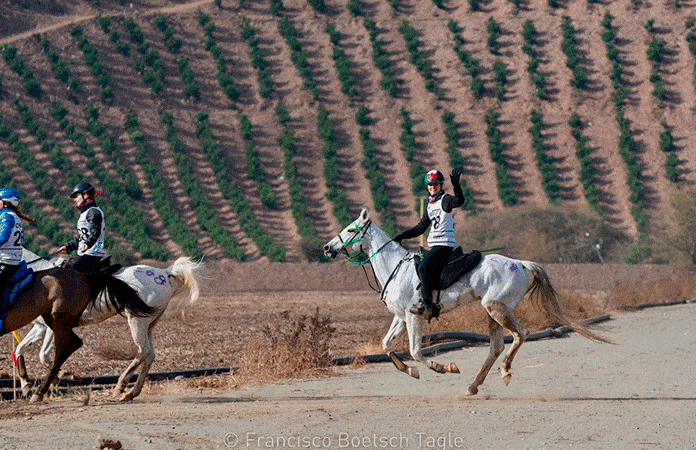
[
  {"x": 434, "y": 312},
  {"x": 421, "y": 309}
]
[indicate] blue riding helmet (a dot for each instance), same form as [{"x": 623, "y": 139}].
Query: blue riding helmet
[{"x": 10, "y": 195}]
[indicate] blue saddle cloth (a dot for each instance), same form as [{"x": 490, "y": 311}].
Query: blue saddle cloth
[{"x": 18, "y": 281}]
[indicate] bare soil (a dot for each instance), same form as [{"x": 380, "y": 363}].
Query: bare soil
[{"x": 564, "y": 392}]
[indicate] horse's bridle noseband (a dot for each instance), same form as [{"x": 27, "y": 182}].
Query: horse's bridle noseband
[{"x": 353, "y": 239}]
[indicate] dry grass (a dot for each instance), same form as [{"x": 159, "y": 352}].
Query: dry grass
[
  {"x": 295, "y": 347},
  {"x": 627, "y": 296}
]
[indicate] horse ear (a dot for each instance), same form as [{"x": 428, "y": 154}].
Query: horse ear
[{"x": 364, "y": 215}]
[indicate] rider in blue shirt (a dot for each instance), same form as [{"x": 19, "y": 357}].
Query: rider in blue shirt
[
  {"x": 439, "y": 216},
  {"x": 11, "y": 235}
]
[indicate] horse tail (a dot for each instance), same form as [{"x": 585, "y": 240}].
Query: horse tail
[
  {"x": 544, "y": 297},
  {"x": 118, "y": 294},
  {"x": 188, "y": 272}
]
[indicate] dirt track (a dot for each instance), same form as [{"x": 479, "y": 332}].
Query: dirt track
[{"x": 564, "y": 393}]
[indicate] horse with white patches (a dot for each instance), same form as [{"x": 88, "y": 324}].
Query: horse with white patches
[
  {"x": 499, "y": 282},
  {"x": 155, "y": 286}
]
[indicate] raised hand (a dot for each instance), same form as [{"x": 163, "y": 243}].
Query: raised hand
[{"x": 454, "y": 176}]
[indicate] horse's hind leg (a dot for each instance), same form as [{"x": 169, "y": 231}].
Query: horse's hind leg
[
  {"x": 505, "y": 316},
  {"x": 67, "y": 342},
  {"x": 497, "y": 345},
  {"x": 519, "y": 334},
  {"x": 141, "y": 331}
]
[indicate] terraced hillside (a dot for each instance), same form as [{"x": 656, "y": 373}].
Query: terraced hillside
[{"x": 251, "y": 129}]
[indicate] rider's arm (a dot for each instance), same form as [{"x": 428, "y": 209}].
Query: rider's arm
[
  {"x": 71, "y": 245},
  {"x": 449, "y": 202},
  {"x": 415, "y": 231},
  {"x": 7, "y": 223}
]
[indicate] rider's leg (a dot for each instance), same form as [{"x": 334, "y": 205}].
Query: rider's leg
[
  {"x": 86, "y": 263},
  {"x": 430, "y": 270}
]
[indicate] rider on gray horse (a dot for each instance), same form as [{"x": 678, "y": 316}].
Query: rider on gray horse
[
  {"x": 440, "y": 216},
  {"x": 89, "y": 242}
]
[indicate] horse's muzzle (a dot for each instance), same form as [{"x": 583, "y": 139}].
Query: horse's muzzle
[{"x": 328, "y": 251}]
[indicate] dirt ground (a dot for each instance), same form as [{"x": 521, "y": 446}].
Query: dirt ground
[{"x": 565, "y": 393}]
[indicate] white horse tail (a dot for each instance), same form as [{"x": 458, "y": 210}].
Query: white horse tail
[
  {"x": 545, "y": 297},
  {"x": 187, "y": 272}
]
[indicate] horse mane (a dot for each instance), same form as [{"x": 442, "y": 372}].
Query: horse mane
[{"x": 118, "y": 294}]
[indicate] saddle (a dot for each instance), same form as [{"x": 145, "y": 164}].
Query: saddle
[
  {"x": 107, "y": 268},
  {"x": 459, "y": 264},
  {"x": 18, "y": 281},
  {"x": 104, "y": 266}
]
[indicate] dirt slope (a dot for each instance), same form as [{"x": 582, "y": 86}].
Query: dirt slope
[{"x": 594, "y": 105}]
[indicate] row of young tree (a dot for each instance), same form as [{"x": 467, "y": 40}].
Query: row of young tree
[
  {"x": 627, "y": 144},
  {"x": 665, "y": 137}
]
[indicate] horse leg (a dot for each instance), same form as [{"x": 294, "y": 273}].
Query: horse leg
[
  {"x": 415, "y": 338},
  {"x": 497, "y": 345},
  {"x": 67, "y": 342},
  {"x": 397, "y": 326},
  {"x": 36, "y": 333},
  {"x": 519, "y": 333},
  {"x": 146, "y": 353},
  {"x": 24, "y": 381},
  {"x": 141, "y": 329}
]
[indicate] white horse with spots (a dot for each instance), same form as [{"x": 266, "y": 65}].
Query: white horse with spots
[
  {"x": 154, "y": 285},
  {"x": 498, "y": 282}
]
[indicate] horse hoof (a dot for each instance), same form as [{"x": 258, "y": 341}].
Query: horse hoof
[
  {"x": 452, "y": 368},
  {"x": 126, "y": 397},
  {"x": 507, "y": 378},
  {"x": 413, "y": 371},
  {"x": 36, "y": 398},
  {"x": 472, "y": 390}
]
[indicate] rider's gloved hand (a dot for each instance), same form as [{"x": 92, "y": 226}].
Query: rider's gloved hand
[{"x": 454, "y": 176}]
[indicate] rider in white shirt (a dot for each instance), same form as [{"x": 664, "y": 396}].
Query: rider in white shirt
[
  {"x": 439, "y": 216},
  {"x": 89, "y": 242}
]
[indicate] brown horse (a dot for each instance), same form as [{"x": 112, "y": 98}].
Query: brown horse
[{"x": 60, "y": 296}]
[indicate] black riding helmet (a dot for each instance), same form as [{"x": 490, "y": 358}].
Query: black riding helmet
[{"x": 81, "y": 188}]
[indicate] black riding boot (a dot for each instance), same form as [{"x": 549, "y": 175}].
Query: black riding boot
[{"x": 424, "y": 306}]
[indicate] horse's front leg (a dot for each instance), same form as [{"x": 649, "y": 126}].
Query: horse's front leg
[
  {"x": 67, "y": 342},
  {"x": 397, "y": 326},
  {"x": 415, "y": 339},
  {"x": 24, "y": 381},
  {"x": 35, "y": 334}
]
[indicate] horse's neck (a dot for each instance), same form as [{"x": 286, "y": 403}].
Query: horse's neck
[{"x": 386, "y": 257}]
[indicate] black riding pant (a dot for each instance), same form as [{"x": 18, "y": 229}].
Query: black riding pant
[
  {"x": 86, "y": 263},
  {"x": 430, "y": 269}
]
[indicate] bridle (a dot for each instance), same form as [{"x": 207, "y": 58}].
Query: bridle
[{"x": 357, "y": 237}]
